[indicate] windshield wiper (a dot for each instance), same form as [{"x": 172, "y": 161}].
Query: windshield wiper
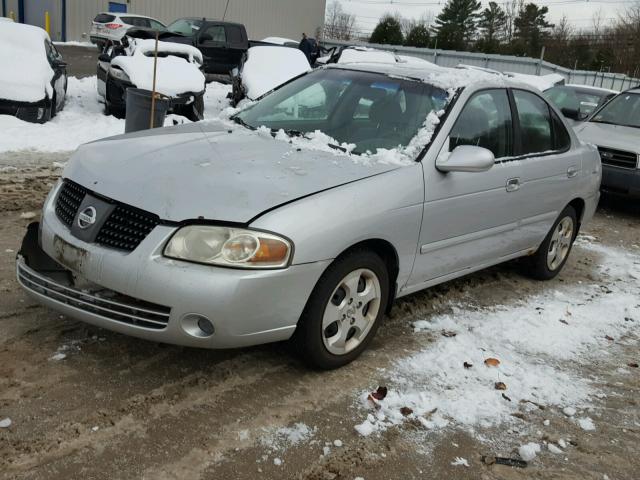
[{"x": 239, "y": 121}]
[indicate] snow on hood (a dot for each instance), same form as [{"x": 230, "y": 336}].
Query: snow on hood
[
  {"x": 268, "y": 67},
  {"x": 25, "y": 73},
  {"x": 175, "y": 75}
]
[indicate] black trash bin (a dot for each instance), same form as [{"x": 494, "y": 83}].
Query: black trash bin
[{"x": 139, "y": 110}]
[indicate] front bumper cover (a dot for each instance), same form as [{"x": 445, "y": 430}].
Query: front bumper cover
[{"x": 246, "y": 307}]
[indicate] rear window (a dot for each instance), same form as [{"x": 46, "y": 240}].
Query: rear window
[{"x": 104, "y": 18}]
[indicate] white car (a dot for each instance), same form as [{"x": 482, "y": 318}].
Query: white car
[{"x": 113, "y": 26}]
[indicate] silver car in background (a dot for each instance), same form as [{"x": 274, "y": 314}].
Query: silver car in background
[
  {"x": 223, "y": 235},
  {"x": 615, "y": 129}
]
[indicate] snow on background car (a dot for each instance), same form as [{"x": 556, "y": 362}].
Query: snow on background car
[
  {"x": 175, "y": 75},
  {"x": 25, "y": 75},
  {"x": 259, "y": 75}
]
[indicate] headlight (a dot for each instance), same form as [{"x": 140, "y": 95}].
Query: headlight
[
  {"x": 230, "y": 247},
  {"x": 119, "y": 74}
]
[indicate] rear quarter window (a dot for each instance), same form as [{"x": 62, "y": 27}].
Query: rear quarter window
[{"x": 104, "y": 18}]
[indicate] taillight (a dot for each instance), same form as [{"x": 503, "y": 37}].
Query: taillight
[{"x": 114, "y": 26}]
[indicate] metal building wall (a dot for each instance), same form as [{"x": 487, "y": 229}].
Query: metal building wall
[
  {"x": 12, "y": 6},
  {"x": 284, "y": 18}
]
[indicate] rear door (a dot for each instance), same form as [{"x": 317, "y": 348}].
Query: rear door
[
  {"x": 212, "y": 42},
  {"x": 237, "y": 44},
  {"x": 550, "y": 167},
  {"x": 470, "y": 219}
]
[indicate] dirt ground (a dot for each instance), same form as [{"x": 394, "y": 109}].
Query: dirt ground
[{"x": 121, "y": 408}]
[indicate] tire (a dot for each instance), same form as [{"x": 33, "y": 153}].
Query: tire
[
  {"x": 543, "y": 265},
  {"x": 54, "y": 101},
  {"x": 358, "y": 311},
  {"x": 117, "y": 112}
]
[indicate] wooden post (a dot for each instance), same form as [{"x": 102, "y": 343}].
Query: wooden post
[{"x": 153, "y": 91}]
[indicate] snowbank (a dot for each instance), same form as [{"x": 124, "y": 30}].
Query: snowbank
[
  {"x": 83, "y": 120},
  {"x": 25, "y": 73},
  {"x": 538, "y": 342},
  {"x": 268, "y": 67},
  {"x": 174, "y": 76}
]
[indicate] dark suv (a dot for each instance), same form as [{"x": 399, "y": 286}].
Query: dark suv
[{"x": 222, "y": 43}]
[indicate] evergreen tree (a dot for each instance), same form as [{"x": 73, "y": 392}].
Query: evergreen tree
[
  {"x": 531, "y": 29},
  {"x": 388, "y": 31},
  {"x": 492, "y": 25},
  {"x": 456, "y": 24},
  {"x": 418, "y": 36}
]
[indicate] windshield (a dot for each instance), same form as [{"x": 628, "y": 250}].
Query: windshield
[
  {"x": 581, "y": 101},
  {"x": 369, "y": 110},
  {"x": 185, "y": 26},
  {"x": 622, "y": 110}
]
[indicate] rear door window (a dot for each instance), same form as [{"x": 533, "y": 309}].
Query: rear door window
[
  {"x": 534, "y": 116},
  {"x": 213, "y": 34},
  {"x": 485, "y": 121},
  {"x": 104, "y": 18}
]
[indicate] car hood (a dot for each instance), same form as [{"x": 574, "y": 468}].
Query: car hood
[
  {"x": 611, "y": 136},
  {"x": 209, "y": 170}
]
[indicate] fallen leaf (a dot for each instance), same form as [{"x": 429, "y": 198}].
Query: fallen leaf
[
  {"x": 429, "y": 413},
  {"x": 633, "y": 365},
  {"x": 609, "y": 338},
  {"x": 506, "y": 398},
  {"x": 500, "y": 386},
  {"x": 562, "y": 320},
  {"x": 448, "y": 333},
  {"x": 518, "y": 415},
  {"x": 374, "y": 403},
  {"x": 467, "y": 365},
  {"x": 492, "y": 362},
  {"x": 380, "y": 393},
  {"x": 406, "y": 411}
]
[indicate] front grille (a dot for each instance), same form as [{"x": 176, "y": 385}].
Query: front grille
[
  {"x": 126, "y": 227},
  {"x": 69, "y": 200},
  {"x": 618, "y": 158},
  {"x": 105, "y": 303}
]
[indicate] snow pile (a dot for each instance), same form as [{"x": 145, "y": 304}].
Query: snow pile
[
  {"x": 25, "y": 73},
  {"x": 83, "y": 120},
  {"x": 174, "y": 75},
  {"x": 284, "y": 437},
  {"x": 537, "y": 342},
  {"x": 268, "y": 67}
]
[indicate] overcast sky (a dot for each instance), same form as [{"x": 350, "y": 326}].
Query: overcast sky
[{"x": 578, "y": 12}]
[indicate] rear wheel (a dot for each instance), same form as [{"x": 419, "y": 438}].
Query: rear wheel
[
  {"x": 344, "y": 310},
  {"x": 554, "y": 251}
]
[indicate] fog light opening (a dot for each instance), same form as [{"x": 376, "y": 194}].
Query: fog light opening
[{"x": 197, "y": 325}]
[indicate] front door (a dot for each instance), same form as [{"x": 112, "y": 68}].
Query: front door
[
  {"x": 470, "y": 219},
  {"x": 212, "y": 42}
]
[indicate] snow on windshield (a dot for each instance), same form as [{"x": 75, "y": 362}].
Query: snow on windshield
[
  {"x": 25, "y": 73},
  {"x": 267, "y": 67},
  {"x": 175, "y": 75}
]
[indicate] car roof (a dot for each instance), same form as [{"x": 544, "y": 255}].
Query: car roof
[
  {"x": 125, "y": 14},
  {"x": 212, "y": 20},
  {"x": 439, "y": 76},
  {"x": 590, "y": 88}
]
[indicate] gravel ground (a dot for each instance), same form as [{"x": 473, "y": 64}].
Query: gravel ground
[{"x": 118, "y": 407}]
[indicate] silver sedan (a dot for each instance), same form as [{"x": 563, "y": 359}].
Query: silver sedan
[{"x": 306, "y": 214}]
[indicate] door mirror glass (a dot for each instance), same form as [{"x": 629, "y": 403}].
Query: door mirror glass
[
  {"x": 466, "y": 158},
  {"x": 571, "y": 113},
  {"x": 104, "y": 57}
]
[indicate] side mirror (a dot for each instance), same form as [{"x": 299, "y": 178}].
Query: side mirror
[
  {"x": 104, "y": 57},
  {"x": 571, "y": 113},
  {"x": 467, "y": 158}
]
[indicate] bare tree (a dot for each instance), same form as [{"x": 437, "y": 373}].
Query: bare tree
[{"x": 339, "y": 25}]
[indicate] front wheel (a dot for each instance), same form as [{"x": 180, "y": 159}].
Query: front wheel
[
  {"x": 554, "y": 251},
  {"x": 344, "y": 310}
]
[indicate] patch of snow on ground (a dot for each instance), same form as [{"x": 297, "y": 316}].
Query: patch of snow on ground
[
  {"x": 284, "y": 437},
  {"x": 586, "y": 424},
  {"x": 460, "y": 462},
  {"x": 529, "y": 451},
  {"x": 83, "y": 120},
  {"x": 536, "y": 350}
]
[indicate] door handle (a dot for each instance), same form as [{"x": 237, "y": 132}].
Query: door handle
[
  {"x": 513, "y": 184},
  {"x": 572, "y": 171}
]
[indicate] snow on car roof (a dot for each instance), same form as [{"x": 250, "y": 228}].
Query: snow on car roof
[
  {"x": 267, "y": 67},
  {"x": 125, "y": 14},
  {"x": 590, "y": 87},
  {"x": 25, "y": 75},
  {"x": 175, "y": 75}
]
